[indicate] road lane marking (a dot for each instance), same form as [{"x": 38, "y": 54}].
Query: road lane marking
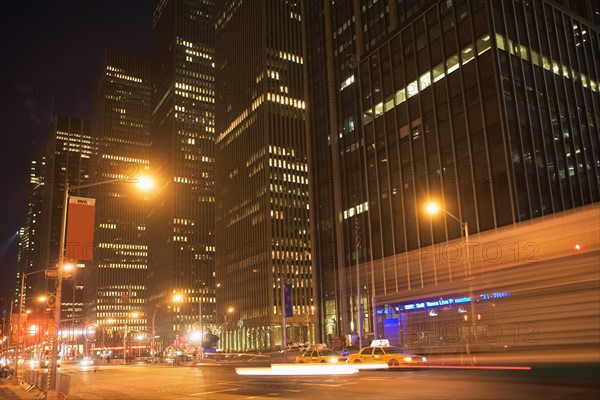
[
  {"x": 382, "y": 378},
  {"x": 326, "y": 384},
  {"x": 214, "y": 391}
]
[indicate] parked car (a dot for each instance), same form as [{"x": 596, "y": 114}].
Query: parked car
[
  {"x": 390, "y": 355},
  {"x": 321, "y": 356}
]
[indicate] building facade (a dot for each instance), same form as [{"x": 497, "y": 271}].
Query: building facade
[
  {"x": 262, "y": 225},
  {"x": 182, "y": 249},
  {"x": 489, "y": 108},
  {"x": 30, "y": 234},
  {"x": 121, "y": 126}
]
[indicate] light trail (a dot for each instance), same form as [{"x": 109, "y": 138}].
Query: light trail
[
  {"x": 482, "y": 367},
  {"x": 302, "y": 370}
]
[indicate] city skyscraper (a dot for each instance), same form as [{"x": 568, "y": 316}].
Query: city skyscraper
[
  {"x": 181, "y": 222},
  {"x": 121, "y": 126},
  {"x": 30, "y": 234},
  {"x": 488, "y": 107},
  {"x": 262, "y": 224}
]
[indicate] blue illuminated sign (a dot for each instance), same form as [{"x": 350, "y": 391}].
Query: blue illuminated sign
[{"x": 449, "y": 301}]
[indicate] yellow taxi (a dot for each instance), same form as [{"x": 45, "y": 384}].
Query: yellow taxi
[
  {"x": 320, "y": 356},
  {"x": 385, "y": 354}
]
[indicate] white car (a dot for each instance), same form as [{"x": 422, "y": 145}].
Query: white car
[{"x": 86, "y": 362}]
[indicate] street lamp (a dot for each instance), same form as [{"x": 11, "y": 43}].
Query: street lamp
[
  {"x": 145, "y": 183},
  {"x": 308, "y": 321},
  {"x": 433, "y": 208},
  {"x": 200, "y": 301},
  {"x": 140, "y": 336},
  {"x": 134, "y": 315},
  {"x": 177, "y": 298},
  {"x": 154, "y": 331}
]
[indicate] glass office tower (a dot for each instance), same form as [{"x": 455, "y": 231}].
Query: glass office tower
[{"x": 489, "y": 108}]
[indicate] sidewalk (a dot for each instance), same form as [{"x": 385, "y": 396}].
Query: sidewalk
[{"x": 11, "y": 390}]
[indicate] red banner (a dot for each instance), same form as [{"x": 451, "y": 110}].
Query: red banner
[{"x": 80, "y": 229}]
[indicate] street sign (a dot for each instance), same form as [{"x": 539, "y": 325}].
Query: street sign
[{"x": 51, "y": 273}]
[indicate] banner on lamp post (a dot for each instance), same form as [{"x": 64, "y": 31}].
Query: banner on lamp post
[
  {"x": 287, "y": 295},
  {"x": 80, "y": 228}
]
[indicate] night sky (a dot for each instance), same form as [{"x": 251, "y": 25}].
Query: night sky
[{"x": 51, "y": 50}]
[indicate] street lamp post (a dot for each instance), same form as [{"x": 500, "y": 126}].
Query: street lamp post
[
  {"x": 139, "y": 337},
  {"x": 73, "y": 312},
  {"x": 308, "y": 321},
  {"x": 154, "y": 331},
  {"x": 282, "y": 283},
  {"x": 135, "y": 314},
  {"x": 61, "y": 260},
  {"x": 10, "y": 334},
  {"x": 200, "y": 301},
  {"x": 177, "y": 298},
  {"x": 433, "y": 208},
  {"x": 284, "y": 322},
  {"x": 125, "y": 344},
  {"x": 20, "y": 309}
]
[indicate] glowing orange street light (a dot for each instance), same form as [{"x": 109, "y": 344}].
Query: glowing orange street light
[
  {"x": 177, "y": 298},
  {"x": 145, "y": 183},
  {"x": 134, "y": 315},
  {"x": 432, "y": 208}
]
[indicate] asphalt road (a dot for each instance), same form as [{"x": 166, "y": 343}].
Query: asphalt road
[{"x": 219, "y": 381}]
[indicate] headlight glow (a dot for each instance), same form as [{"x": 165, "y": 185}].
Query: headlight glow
[
  {"x": 408, "y": 359},
  {"x": 86, "y": 362}
]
